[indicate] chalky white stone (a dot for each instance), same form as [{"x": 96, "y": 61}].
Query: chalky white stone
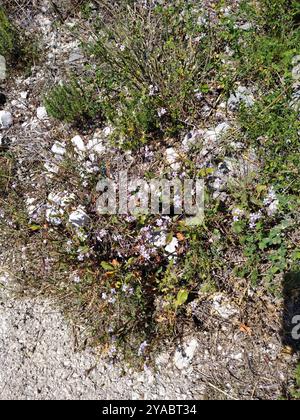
[
  {"x": 6, "y": 119},
  {"x": 41, "y": 113},
  {"x": 78, "y": 144},
  {"x": 2, "y": 68},
  {"x": 79, "y": 218},
  {"x": 58, "y": 149}
]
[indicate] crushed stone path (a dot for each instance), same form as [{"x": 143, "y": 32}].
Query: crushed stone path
[{"x": 38, "y": 361}]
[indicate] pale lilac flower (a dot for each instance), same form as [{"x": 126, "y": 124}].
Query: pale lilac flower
[
  {"x": 101, "y": 234},
  {"x": 271, "y": 202},
  {"x": 142, "y": 348},
  {"x": 112, "y": 351},
  {"x": 161, "y": 240},
  {"x": 273, "y": 208},
  {"x": 161, "y": 112},
  {"x": 237, "y": 214},
  {"x": 69, "y": 245},
  {"x": 254, "y": 218},
  {"x": 112, "y": 300},
  {"x": 127, "y": 289},
  {"x": 270, "y": 197},
  {"x": 130, "y": 219},
  {"x": 153, "y": 90},
  {"x": 121, "y": 47},
  {"x": 199, "y": 96},
  {"x": 148, "y": 153},
  {"x": 104, "y": 296},
  {"x": 145, "y": 253},
  {"x": 76, "y": 279}
]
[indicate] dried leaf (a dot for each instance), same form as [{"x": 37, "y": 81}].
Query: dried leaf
[{"x": 245, "y": 329}]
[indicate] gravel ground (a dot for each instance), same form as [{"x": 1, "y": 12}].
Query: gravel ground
[{"x": 38, "y": 361}]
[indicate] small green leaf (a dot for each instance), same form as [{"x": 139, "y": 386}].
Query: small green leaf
[
  {"x": 35, "y": 227},
  {"x": 182, "y": 297},
  {"x": 107, "y": 267}
]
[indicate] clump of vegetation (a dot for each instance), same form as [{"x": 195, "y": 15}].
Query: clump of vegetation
[
  {"x": 295, "y": 391},
  {"x": 73, "y": 103},
  {"x": 7, "y": 36},
  {"x": 17, "y": 48},
  {"x": 150, "y": 62},
  {"x": 151, "y": 71}
]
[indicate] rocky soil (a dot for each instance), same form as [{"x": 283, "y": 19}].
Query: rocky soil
[{"x": 40, "y": 356}]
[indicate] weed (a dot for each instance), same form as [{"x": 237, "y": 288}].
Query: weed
[
  {"x": 7, "y": 36},
  {"x": 17, "y": 48},
  {"x": 72, "y": 102},
  {"x": 150, "y": 62}
]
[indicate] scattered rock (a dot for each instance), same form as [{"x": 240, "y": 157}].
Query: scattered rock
[
  {"x": 296, "y": 60},
  {"x": 41, "y": 113},
  {"x": 191, "y": 139},
  {"x": 6, "y": 119},
  {"x": 79, "y": 218},
  {"x": 32, "y": 208},
  {"x": 57, "y": 202},
  {"x": 246, "y": 26},
  {"x": 24, "y": 95},
  {"x": 296, "y": 72},
  {"x": 59, "y": 148},
  {"x": 75, "y": 56},
  {"x": 96, "y": 146},
  {"x": 78, "y": 144},
  {"x": 184, "y": 356},
  {"x": 223, "y": 307},
  {"x": 242, "y": 95},
  {"x": 51, "y": 168},
  {"x": 296, "y": 68},
  {"x": 172, "y": 247},
  {"x": 2, "y": 68}
]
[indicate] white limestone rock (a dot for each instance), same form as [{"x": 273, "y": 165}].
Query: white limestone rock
[
  {"x": 79, "y": 218},
  {"x": 59, "y": 148},
  {"x": 6, "y": 119},
  {"x": 41, "y": 113},
  {"x": 184, "y": 356},
  {"x": 2, "y": 68},
  {"x": 78, "y": 144}
]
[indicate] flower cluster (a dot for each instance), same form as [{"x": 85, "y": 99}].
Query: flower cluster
[
  {"x": 271, "y": 202},
  {"x": 237, "y": 214},
  {"x": 254, "y": 218}
]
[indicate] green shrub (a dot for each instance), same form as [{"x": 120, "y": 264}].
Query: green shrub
[
  {"x": 7, "y": 36},
  {"x": 148, "y": 64},
  {"x": 72, "y": 102},
  {"x": 19, "y": 49}
]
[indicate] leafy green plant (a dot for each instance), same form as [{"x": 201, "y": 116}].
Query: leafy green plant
[
  {"x": 20, "y": 49},
  {"x": 7, "y": 36},
  {"x": 149, "y": 62},
  {"x": 295, "y": 392},
  {"x": 72, "y": 102}
]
